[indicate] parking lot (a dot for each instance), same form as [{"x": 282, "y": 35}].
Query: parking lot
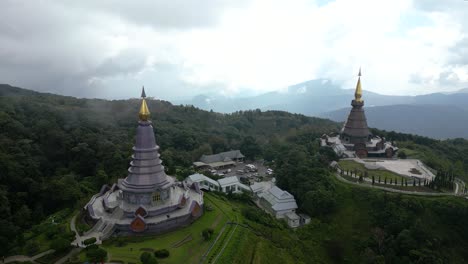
[{"x": 240, "y": 170}]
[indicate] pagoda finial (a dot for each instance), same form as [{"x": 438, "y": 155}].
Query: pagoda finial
[
  {"x": 144, "y": 111},
  {"x": 143, "y": 94},
  {"x": 358, "y": 92}
]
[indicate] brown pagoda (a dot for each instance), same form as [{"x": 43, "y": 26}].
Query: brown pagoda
[
  {"x": 355, "y": 138},
  {"x": 355, "y": 130}
]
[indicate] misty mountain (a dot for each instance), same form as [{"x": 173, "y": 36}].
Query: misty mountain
[
  {"x": 435, "y": 121},
  {"x": 316, "y": 97},
  {"x": 439, "y": 115}
]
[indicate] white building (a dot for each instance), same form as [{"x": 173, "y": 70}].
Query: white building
[
  {"x": 204, "y": 182},
  {"x": 226, "y": 185},
  {"x": 292, "y": 219},
  {"x": 232, "y": 184},
  {"x": 278, "y": 202},
  {"x": 259, "y": 187}
]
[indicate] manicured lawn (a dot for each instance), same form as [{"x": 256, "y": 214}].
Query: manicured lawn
[
  {"x": 355, "y": 166},
  {"x": 410, "y": 153},
  {"x": 246, "y": 247},
  {"x": 235, "y": 244},
  {"x": 189, "y": 252}
]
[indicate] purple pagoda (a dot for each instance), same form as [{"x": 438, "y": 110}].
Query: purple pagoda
[{"x": 147, "y": 200}]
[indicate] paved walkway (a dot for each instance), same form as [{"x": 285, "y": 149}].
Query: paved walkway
[
  {"x": 70, "y": 254},
  {"x": 22, "y": 258},
  {"x": 338, "y": 176},
  {"x": 398, "y": 166},
  {"x": 460, "y": 187},
  {"x": 78, "y": 242}
]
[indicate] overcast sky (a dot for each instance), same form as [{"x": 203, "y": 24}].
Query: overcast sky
[{"x": 177, "y": 48}]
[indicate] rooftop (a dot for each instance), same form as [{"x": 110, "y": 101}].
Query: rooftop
[
  {"x": 222, "y": 157},
  {"x": 280, "y": 194},
  {"x": 279, "y": 200},
  {"x": 200, "y": 177},
  {"x": 228, "y": 181}
]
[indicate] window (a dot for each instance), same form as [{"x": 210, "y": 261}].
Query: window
[{"x": 156, "y": 197}]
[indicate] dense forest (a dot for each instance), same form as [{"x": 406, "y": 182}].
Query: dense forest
[{"x": 56, "y": 151}]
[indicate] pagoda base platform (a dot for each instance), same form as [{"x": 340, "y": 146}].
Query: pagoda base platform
[{"x": 114, "y": 217}]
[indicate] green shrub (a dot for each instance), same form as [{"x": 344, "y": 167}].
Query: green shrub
[
  {"x": 207, "y": 233},
  {"x": 60, "y": 244},
  {"x": 120, "y": 242},
  {"x": 147, "y": 258},
  {"x": 162, "y": 253},
  {"x": 32, "y": 247},
  {"x": 401, "y": 155},
  {"x": 96, "y": 254},
  {"x": 52, "y": 231},
  {"x": 89, "y": 241}
]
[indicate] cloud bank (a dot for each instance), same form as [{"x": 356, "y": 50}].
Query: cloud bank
[{"x": 181, "y": 48}]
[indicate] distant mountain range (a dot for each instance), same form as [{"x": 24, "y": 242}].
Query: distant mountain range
[
  {"x": 437, "y": 115},
  {"x": 435, "y": 121}
]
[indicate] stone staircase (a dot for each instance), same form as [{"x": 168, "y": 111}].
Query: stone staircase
[
  {"x": 108, "y": 230},
  {"x": 110, "y": 225},
  {"x": 96, "y": 228}
]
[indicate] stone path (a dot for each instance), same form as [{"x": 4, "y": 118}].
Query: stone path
[
  {"x": 398, "y": 166},
  {"x": 70, "y": 254},
  {"x": 22, "y": 258},
  {"x": 78, "y": 242},
  {"x": 338, "y": 176},
  {"x": 460, "y": 187}
]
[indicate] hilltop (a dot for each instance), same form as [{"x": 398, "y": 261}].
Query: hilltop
[{"x": 56, "y": 151}]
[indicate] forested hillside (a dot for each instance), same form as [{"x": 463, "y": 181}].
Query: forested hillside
[{"x": 56, "y": 151}]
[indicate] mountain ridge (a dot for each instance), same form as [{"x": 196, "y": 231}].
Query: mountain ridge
[{"x": 322, "y": 98}]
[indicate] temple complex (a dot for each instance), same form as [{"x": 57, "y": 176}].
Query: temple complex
[
  {"x": 147, "y": 200},
  {"x": 355, "y": 138}
]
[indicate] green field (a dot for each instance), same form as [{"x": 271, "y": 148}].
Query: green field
[
  {"x": 190, "y": 251},
  {"x": 235, "y": 243},
  {"x": 355, "y": 166},
  {"x": 339, "y": 237}
]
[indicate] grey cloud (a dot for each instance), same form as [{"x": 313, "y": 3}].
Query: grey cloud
[
  {"x": 456, "y": 10},
  {"x": 440, "y": 5},
  {"x": 59, "y": 46},
  {"x": 449, "y": 78},
  {"x": 163, "y": 81},
  {"x": 417, "y": 79},
  {"x": 459, "y": 53},
  {"x": 174, "y": 14},
  {"x": 127, "y": 62}
]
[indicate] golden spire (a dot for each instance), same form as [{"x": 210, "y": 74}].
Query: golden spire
[
  {"x": 358, "y": 93},
  {"x": 144, "y": 111}
]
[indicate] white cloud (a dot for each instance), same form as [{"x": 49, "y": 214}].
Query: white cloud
[
  {"x": 276, "y": 43},
  {"x": 109, "y": 49}
]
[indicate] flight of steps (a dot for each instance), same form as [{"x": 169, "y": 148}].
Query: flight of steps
[{"x": 110, "y": 225}]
